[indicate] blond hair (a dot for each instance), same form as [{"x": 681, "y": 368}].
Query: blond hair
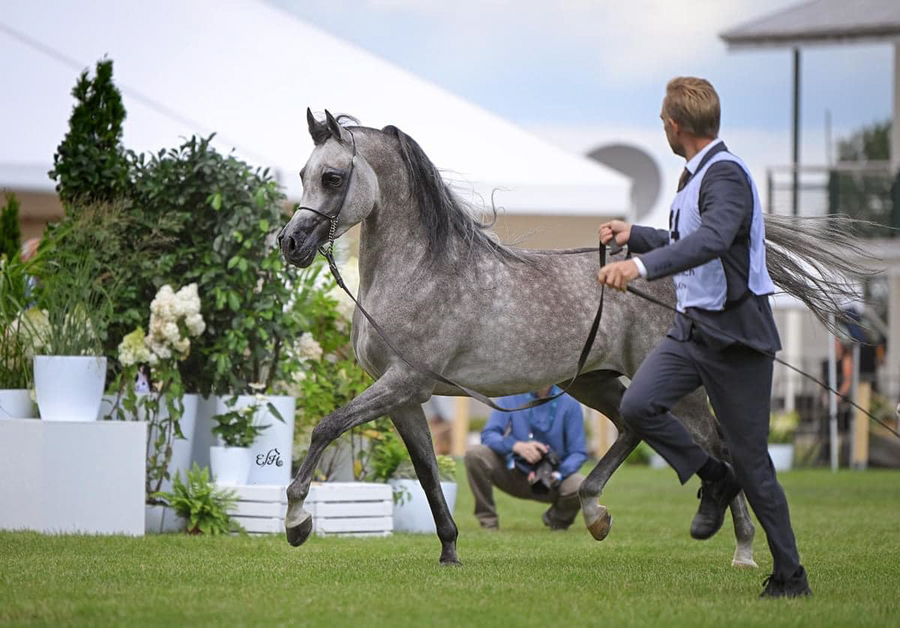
[{"x": 694, "y": 104}]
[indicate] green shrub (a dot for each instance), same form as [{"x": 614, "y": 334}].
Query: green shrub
[
  {"x": 201, "y": 504},
  {"x": 220, "y": 217},
  {"x": 90, "y": 164},
  {"x": 10, "y": 232}
]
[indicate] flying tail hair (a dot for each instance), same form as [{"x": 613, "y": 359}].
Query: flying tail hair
[{"x": 819, "y": 260}]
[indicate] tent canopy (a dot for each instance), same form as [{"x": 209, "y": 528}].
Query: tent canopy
[{"x": 247, "y": 71}]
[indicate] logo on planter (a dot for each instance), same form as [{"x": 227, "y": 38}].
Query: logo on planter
[{"x": 272, "y": 457}]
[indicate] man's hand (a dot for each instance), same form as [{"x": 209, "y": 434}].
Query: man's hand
[
  {"x": 532, "y": 451},
  {"x": 615, "y": 229},
  {"x": 618, "y": 274}
]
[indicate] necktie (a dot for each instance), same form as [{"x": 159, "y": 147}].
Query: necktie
[{"x": 684, "y": 179}]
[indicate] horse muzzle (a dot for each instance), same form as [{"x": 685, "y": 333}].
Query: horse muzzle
[{"x": 298, "y": 249}]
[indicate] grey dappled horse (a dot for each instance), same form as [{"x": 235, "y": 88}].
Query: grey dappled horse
[{"x": 495, "y": 319}]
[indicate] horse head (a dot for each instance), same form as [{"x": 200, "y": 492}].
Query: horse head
[{"x": 339, "y": 190}]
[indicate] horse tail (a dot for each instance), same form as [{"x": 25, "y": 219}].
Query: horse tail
[{"x": 819, "y": 261}]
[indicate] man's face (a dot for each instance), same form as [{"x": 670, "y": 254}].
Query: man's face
[{"x": 672, "y": 132}]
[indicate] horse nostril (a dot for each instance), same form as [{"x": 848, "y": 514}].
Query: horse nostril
[{"x": 291, "y": 244}]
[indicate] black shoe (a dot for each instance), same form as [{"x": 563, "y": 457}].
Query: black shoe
[
  {"x": 714, "y": 500},
  {"x": 553, "y": 525},
  {"x": 795, "y": 586}
]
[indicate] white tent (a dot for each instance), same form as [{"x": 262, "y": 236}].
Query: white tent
[{"x": 247, "y": 71}]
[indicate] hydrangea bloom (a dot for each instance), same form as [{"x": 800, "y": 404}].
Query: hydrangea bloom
[{"x": 308, "y": 348}]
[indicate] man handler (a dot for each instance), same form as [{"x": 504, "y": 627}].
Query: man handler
[{"x": 715, "y": 248}]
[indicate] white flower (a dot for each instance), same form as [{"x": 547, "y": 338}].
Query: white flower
[
  {"x": 195, "y": 324},
  {"x": 308, "y": 348}
]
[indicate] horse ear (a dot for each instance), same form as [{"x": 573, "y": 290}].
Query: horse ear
[
  {"x": 319, "y": 131},
  {"x": 337, "y": 131}
]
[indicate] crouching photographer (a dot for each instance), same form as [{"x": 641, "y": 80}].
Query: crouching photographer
[{"x": 530, "y": 454}]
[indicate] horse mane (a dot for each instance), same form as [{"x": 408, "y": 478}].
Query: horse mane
[{"x": 446, "y": 219}]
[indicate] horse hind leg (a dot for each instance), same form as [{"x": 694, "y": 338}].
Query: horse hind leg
[
  {"x": 694, "y": 411},
  {"x": 413, "y": 427},
  {"x": 602, "y": 391}
]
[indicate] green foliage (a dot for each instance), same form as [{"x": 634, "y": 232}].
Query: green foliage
[
  {"x": 201, "y": 504},
  {"x": 236, "y": 428},
  {"x": 16, "y": 337},
  {"x": 782, "y": 426},
  {"x": 90, "y": 163},
  {"x": 220, "y": 217},
  {"x": 10, "y": 232},
  {"x": 865, "y": 195},
  {"x": 640, "y": 455}
]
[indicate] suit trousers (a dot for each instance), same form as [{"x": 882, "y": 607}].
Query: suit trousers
[
  {"x": 738, "y": 381},
  {"x": 486, "y": 468}
]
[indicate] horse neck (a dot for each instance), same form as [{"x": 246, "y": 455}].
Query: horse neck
[{"x": 391, "y": 242}]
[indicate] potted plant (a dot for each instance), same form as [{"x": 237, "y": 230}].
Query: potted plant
[
  {"x": 68, "y": 325},
  {"x": 201, "y": 507},
  {"x": 149, "y": 388},
  {"x": 782, "y": 427},
  {"x": 236, "y": 430}
]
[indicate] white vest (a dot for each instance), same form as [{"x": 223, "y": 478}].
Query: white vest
[{"x": 705, "y": 286}]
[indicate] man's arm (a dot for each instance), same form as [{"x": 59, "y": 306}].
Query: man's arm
[
  {"x": 645, "y": 239},
  {"x": 726, "y": 202},
  {"x": 575, "y": 442},
  {"x": 494, "y": 433}
]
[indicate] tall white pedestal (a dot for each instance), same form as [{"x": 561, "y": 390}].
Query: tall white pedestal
[{"x": 72, "y": 477}]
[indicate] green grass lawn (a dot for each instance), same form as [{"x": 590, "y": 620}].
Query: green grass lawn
[{"x": 647, "y": 572}]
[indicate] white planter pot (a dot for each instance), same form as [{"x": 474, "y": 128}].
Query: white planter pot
[
  {"x": 162, "y": 519},
  {"x": 782, "y": 456},
  {"x": 69, "y": 388},
  {"x": 229, "y": 465},
  {"x": 15, "y": 403},
  {"x": 270, "y": 459},
  {"x": 411, "y": 510}
]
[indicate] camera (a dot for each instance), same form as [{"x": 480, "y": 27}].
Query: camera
[{"x": 542, "y": 481}]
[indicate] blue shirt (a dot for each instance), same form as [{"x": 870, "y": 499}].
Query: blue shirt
[{"x": 558, "y": 424}]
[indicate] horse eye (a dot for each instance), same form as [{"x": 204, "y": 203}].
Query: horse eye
[{"x": 331, "y": 179}]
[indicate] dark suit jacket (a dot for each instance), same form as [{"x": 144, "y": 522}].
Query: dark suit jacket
[{"x": 726, "y": 209}]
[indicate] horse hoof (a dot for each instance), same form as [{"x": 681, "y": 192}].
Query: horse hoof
[
  {"x": 296, "y": 535},
  {"x": 599, "y": 527},
  {"x": 450, "y": 562}
]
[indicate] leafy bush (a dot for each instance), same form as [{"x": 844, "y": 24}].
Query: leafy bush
[
  {"x": 10, "y": 232},
  {"x": 201, "y": 504},
  {"x": 90, "y": 164},
  {"x": 220, "y": 217}
]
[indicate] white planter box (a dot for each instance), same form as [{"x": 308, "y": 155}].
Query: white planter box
[
  {"x": 70, "y": 477},
  {"x": 69, "y": 388},
  {"x": 15, "y": 403},
  {"x": 411, "y": 510},
  {"x": 782, "y": 456},
  {"x": 160, "y": 519},
  {"x": 337, "y": 508}
]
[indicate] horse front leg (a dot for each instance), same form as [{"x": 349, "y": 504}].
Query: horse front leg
[
  {"x": 391, "y": 390},
  {"x": 413, "y": 427}
]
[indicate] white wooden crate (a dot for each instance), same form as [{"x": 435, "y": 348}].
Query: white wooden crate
[{"x": 337, "y": 508}]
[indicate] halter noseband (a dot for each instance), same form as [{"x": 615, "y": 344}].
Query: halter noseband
[{"x": 327, "y": 250}]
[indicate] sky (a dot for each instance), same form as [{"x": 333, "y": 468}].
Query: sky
[{"x": 587, "y": 73}]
